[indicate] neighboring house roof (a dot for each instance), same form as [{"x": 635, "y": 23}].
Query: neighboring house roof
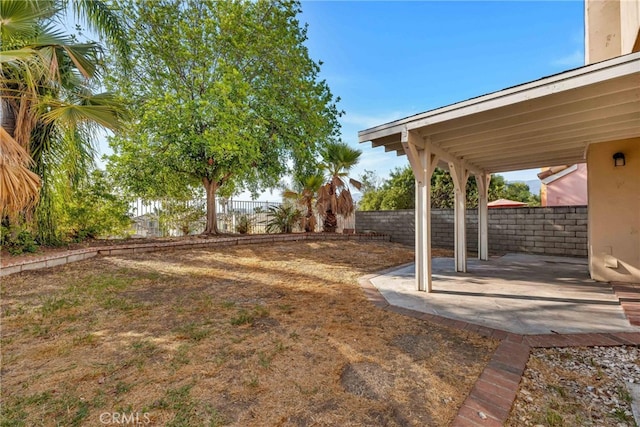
[
  {"x": 556, "y": 173},
  {"x": 551, "y": 171},
  {"x": 505, "y": 203}
]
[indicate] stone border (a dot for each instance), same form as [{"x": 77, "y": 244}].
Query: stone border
[
  {"x": 490, "y": 400},
  {"x": 63, "y": 258}
]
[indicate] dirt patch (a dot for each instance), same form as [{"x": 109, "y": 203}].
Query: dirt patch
[
  {"x": 259, "y": 335},
  {"x": 419, "y": 347},
  {"x": 366, "y": 380}
]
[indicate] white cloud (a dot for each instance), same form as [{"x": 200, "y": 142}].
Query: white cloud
[{"x": 575, "y": 59}]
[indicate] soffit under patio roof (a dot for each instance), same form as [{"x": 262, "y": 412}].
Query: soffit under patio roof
[{"x": 545, "y": 122}]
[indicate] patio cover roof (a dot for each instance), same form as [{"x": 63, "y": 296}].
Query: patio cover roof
[{"x": 545, "y": 122}]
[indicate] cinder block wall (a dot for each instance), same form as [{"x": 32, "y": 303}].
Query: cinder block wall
[{"x": 560, "y": 230}]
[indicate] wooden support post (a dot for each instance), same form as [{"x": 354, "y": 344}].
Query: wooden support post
[
  {"x": 483, "y": 180},
  {"x": 422, "y": 163},
  {"x": 460, "y": 175}
]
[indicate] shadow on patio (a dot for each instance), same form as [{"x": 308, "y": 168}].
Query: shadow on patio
[{"x": 519, "y": 293}]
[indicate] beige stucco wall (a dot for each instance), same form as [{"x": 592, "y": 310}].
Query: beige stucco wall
[
  {"x": 614, "y": 212},
  {"x": 630, "y": 26},
  {"x": 612, "y": 28}
]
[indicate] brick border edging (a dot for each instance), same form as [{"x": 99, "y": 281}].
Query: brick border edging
[
  {"x": 629, "y": 296},
  {"x": 489, "y": 401},
  {"x": 63, "y": 258}
]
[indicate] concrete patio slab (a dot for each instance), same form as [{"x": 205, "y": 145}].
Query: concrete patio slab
[{"x": 520, "y": 293}]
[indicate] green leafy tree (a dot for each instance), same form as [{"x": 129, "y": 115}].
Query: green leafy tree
[
  {"x": 370, "y": 182},
  {"x": 398, "y": 192},
  {"x": 224, "y": 95},
  {"x": 334, "y": 197},
  {"x": 520, "y": 192},
  {"x": 442, "y": 189}
]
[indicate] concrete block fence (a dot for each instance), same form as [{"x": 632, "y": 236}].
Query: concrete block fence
[
  {"x": 560, "y": 230},
  {"x": 9, "y": 266}
]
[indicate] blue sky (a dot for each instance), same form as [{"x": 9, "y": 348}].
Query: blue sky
[{"x": 391, "y": 59}]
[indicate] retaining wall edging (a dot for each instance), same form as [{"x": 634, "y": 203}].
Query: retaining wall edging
[{"x": 8, "y": 267}]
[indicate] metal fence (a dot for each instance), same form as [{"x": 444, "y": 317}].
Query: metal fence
[{"x": 162, "y": 218}]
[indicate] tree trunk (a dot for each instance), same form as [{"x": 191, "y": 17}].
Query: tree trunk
[
  {"x": 212, "y": 217},
  {"x": 330, "y": 222},
  {"x": 309, "y": 225},
  {"x": 7, "y": 118}
]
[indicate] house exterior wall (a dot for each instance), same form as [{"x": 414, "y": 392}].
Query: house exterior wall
[
  {"x": 614, "y": 212},
  {"x": 569, "y": 190},
  {"x": 612, "y": 28},
  {"x": 630, "y": 26}
]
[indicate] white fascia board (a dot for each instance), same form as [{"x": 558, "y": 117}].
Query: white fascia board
[{"x": 559, "y": 175}]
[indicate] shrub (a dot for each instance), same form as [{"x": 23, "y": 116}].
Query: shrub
[
  {"x": 282, "y": 219},
  {"x": 94, "y": 210},
  {"x": 17, "y": 240},
  {"x": 181, "y": 215},
  {"x": 244, "y": 225}
]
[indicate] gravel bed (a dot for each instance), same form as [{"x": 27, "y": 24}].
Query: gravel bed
[{"x": 577, "y": 387}]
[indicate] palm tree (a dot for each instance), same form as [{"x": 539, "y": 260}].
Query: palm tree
[
  {"x": 304, "y": 193},
  {"x": 334, "y": 197},
  {"x": 46, "y": 83}
]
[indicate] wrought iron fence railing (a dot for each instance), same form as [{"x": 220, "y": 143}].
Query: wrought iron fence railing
[{"x": 163, "y": 218}]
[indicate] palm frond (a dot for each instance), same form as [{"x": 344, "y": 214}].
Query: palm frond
[
  {"x": 80, "y": 55},
  {"x": 344, "y": 203},
  {"x": 24, "y": 120},
  {"x": 48, "y": 35},
  {"x": 291, "y": 195},
  {"x": 19, "y": 187},
  {"x": 357, "y": 184},
  {"x": 337, "y": 182},
  {"x": 323, "y": 202},
  {"x": 311, "y": 183},
  {"x": 16, "y": 56},
  {"x": 20, "y": 19},
  {"x": 101, "y": 109},
  {"x": 102, "y": 19}
]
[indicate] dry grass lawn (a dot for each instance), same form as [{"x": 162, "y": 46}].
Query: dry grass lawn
[{"x": 262, "y": 335}]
